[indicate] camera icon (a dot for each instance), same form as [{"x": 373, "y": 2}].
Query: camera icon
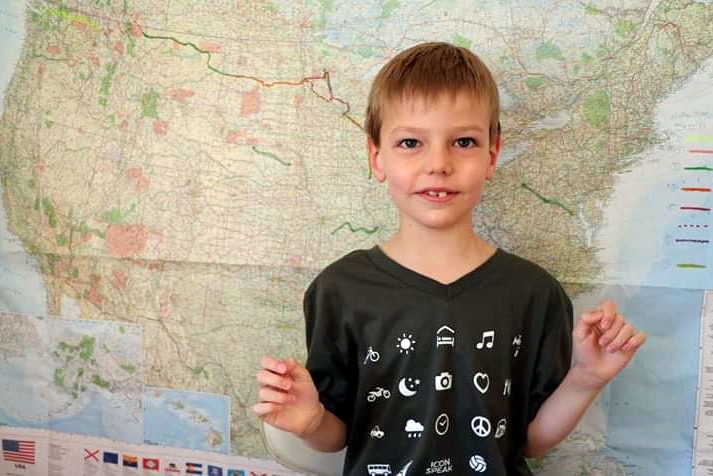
[{"x": 444, "y": 380}]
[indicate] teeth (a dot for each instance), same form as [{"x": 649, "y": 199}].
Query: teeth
[{"x": 432, "y": 193}]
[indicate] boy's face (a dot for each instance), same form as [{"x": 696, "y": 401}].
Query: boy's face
[{"x": 436, "y": 157}]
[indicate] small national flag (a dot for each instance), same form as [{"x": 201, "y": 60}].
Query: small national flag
[
  {"x": 18, "y": 451},
  {"x": 171, "y": 468},
  {"x": 215, "y": 471},
  {"x": 111, "y": 458},
  {"x": 130, "y": 461},
  {"x": 91, "y": 455},
  {"x": 194, "y": 468},
  {"x": 236, "y": 472},
  {"x": 150, "y": 464}
]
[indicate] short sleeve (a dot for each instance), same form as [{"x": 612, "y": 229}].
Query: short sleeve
[
  {"x": 328, "y": 351},
  {"x": 554, "y": 356}
]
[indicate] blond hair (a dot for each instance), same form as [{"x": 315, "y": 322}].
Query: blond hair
[{"x": 429, "y": 70}]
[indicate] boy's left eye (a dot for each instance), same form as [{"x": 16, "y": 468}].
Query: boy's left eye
[{"x": 465, "y": 142}]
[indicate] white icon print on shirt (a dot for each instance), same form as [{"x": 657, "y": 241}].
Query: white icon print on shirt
[
  {"x": 376, "y": 393},
  {"x": 408, "y": 387},
  {"x": 445, "y": 336},
  {"x": 372, "y": 355},
  {"x": 404, "y": 470},
  {"x": 501, "y": 428},
  {"x": 506, "y": 387},
  {"x": 442, "y": 424},
  {"x": 481, "y": 382},
  {"x": 413, "y": 428},
  {"x": 376, "y": 432},
  {"x": 405, "y": 343},
  {"x": 517, "y": 343},
  {"x": 378, "y": 469},
  {"x": 480, "y": 426},
  {"x": 443, "y": 381},
  {"x": 487, "y": 340},
  {"x": 477, "y": 464}
]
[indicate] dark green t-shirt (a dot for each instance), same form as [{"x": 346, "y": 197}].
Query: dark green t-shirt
[{"x": 432, "y": 378}]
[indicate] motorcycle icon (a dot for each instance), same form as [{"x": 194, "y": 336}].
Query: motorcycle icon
[{"x": 376, "y": 393}]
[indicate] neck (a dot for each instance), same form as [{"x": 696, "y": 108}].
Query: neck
[{"x": 443, "y": 255}]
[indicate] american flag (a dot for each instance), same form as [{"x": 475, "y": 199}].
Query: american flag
[{"x": 18, "y": 451}]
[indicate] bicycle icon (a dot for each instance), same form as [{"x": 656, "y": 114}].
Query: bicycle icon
[
  {"x": 372, "y": 355},
  {"x": 376, "y": 393}
]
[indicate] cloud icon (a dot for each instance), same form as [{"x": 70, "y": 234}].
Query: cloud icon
[{"x": 413, "y": 426}]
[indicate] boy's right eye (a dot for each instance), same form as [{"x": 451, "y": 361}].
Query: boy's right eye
[{"x": 408, "y": 143}]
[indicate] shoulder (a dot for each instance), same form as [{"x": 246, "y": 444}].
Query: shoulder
[
  {"x": 525, "y": 274},
  {"x": 346, "y": 270}
]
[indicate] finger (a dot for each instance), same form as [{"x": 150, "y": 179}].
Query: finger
[
  {"x": 270, "y": 395},
  {"x": 617, "y": 324},
  {"x": 587, "y": 324},
  {"x": 263, "y": 409},
  {"x": 635, "y": 342},
  {"x": 609, "y": 310},
  {"x": 299, "y": 373},
  {"x": 267, "y": 378},
  {"x": 274, "y": 365},
  {"x": 626, "y": 333}
]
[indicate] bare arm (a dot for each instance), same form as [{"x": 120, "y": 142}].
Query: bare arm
[
  {"x": 288, "y": 400},
  {"x": 603, "y": 344}
]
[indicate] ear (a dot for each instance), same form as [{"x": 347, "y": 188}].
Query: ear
[
  {"x": 493, "y": 153},
  {"x": 375, "y": 159}
]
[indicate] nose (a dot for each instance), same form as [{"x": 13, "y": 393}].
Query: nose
[{"x": 439, "y": 161}]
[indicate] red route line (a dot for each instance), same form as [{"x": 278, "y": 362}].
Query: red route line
[
  {"x": 695, "y": 189},
  {"x": 700, "y": 151}
]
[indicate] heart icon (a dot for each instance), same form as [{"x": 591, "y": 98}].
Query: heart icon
[{"x": 481, "y": 382}]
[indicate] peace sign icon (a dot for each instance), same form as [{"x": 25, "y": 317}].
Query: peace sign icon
[{"x": 480, "y": 426}]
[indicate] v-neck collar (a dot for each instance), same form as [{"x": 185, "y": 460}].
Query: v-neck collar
[{"x": 430, "y": 285}]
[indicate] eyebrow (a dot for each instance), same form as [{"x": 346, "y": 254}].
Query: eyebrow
[{"x": 473, "y": 128}]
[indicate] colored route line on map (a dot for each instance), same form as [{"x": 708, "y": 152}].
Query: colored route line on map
[
  {"x": 700, "y": 151},
  {"x": 695, "y": 189},
  {"x": 695, "y": 209},
  {"x": 700, "y": 167},
  {"x": 271, "y": 155},
  {"x": 687, "y": 240},
  {"x": 368, "y": 231},
  {"x": 690, "y": 266},
  {"x": 549, "y": 201},
  {"x": 308, "y": 80}
]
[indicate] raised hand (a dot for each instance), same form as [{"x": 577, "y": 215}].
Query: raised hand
[
  {"x": 603, "y": 344},
  {"x": 287, "y": 398}
]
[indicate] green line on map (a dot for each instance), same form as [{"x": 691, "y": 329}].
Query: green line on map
[
  {"x": 690, "y": 266},
  {"x": 550, "y": 201},
  {"x": 270, "y": 155},
  {"x": 699, "y": 138},
  {"x": 703, "y": 167},
  {"x": 368, "y": 231}
]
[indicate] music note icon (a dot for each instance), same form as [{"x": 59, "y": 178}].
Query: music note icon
[{"x": 487, "y": 340}]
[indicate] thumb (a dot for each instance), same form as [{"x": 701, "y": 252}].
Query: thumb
[
  {"x": 587, "y": 324},
  {"x": 299, "y": 373}
]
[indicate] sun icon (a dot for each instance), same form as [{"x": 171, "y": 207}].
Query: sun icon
[{"x": 405, "y": 343}]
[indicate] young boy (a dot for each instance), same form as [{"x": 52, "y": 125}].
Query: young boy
[{"x": 436, "y": 352}]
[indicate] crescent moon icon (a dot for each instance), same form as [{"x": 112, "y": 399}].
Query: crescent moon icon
[{"x": 404, "y": 390}]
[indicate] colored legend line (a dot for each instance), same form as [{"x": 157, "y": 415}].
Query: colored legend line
[
  {"x": 695, "y": 189},
  {"x": 690, "y": 266},
  {"x": 686, "y": 240},
  {"x": 700, "y": 151},
  {"x": 696, "y": 209},
  {"x": 701, "y": 167}
]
